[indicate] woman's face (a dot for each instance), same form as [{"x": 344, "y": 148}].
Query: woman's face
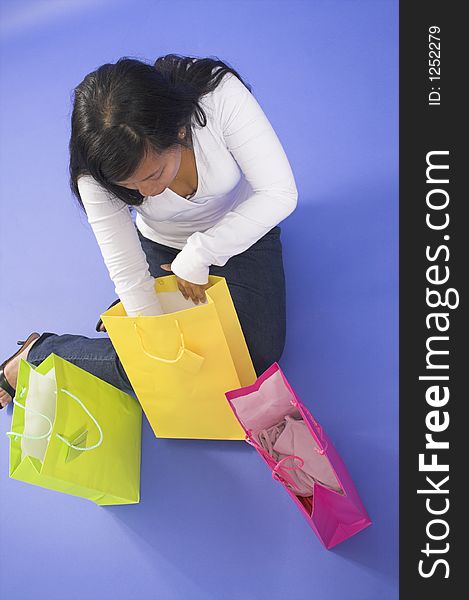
[{"x": 155, "y": 173}]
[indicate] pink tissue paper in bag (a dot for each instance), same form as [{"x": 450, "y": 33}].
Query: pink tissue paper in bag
[{"x": 300, "y": 456}]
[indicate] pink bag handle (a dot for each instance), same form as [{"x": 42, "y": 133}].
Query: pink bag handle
[
  {"x": 320, "y": 432},
  {"x": 250, "y": 440},
  {"x": 284, "y": 476},
  {"x": 279, "y": 466}
]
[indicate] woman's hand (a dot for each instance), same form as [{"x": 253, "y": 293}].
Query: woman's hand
[{"x": 194, "y": 291}]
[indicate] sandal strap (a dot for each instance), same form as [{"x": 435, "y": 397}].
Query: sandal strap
[{"x": 5, "y": 385}]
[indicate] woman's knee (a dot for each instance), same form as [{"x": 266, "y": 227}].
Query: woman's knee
[{"x": 266, "y": 351}]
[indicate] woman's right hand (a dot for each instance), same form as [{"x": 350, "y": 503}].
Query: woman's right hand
[{"x": 190, "y": 291}]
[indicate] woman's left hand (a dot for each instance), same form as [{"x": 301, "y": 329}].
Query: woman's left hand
[{"x": 194, "y": 291}]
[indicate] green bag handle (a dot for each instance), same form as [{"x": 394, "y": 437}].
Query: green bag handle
[
  {"x": 61, "y": 438},
  {"x": 183, "y": 351},
  {"x": 30, "y": 437}
]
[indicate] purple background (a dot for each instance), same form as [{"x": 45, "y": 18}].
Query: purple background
[{"x": 212, "y": 524}]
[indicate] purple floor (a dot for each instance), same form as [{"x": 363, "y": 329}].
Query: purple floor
[{"x": 212, "y": 524}]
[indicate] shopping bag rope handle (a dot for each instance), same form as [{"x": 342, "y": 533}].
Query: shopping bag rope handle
[
  {"x": 280, "y": 467},
  {"x": 319, "y": 429},
  {"x": 47, "y": 435},
  {"x": 165, "y": 360},
  {"x": 30, "y": 437},
  {"x": 101, "y": 435}
]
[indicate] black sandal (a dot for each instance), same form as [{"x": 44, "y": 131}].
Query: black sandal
[
  {"x": 99, "y": 323},
  {"x": 3, "y": 380}
]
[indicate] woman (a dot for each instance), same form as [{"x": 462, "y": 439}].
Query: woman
[{"x": 185, "y": 144}]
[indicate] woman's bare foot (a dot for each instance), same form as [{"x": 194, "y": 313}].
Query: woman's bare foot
[{"x": 11, "y": 371}]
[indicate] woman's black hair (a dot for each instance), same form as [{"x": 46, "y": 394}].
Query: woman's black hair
[{"x": 123, "y": 110}]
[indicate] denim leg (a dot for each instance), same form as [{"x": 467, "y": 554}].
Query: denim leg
[
  {"x": 95, "y": 355},
  {"x": 256, "y": 281}
]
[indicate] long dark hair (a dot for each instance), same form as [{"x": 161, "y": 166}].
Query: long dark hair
[{"x": 123, "y": 110}]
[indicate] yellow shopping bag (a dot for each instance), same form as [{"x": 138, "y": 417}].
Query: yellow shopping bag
[{"x": 181, "y": 363}]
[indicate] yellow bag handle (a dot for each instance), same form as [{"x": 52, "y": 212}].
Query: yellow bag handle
[{"x": 192, "y": 361}]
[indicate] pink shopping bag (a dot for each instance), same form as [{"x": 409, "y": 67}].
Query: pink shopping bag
[{"x": 275, "y": 421}]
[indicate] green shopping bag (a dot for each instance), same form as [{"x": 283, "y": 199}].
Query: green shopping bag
[{"x": 74, "y": 433}]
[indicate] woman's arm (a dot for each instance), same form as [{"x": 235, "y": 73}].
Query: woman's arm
[
  {"x": 252, "y": 141},
  {"x": 120, "y": 246}
]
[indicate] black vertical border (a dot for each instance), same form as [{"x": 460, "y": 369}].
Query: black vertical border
[{"x": 423, "y": 129}]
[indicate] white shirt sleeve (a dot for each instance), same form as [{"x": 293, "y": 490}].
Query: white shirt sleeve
[
  {"x": 120, "y": 246},
  {"x": 253, "y": 143}
]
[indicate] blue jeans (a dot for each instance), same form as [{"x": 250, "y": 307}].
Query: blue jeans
[{"x": 257, "y": 285}]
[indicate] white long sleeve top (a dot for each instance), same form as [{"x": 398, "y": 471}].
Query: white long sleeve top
[{"x": 245, "y": 188}]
